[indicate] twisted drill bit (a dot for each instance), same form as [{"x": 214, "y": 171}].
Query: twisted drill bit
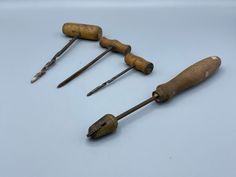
[
  {"x": 53, "y": 60},
  {"x": 109, "y": 81}
]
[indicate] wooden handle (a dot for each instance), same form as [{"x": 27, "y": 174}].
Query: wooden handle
[
  {"x": 188, "y": 78},
  {"x": 116, "y": 45},
  {"x": 139, "y": 63},
  {"x": 85, "y": 31}
]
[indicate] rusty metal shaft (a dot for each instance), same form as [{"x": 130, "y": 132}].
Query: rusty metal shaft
[
  {"x": 76, "y": 74},
  {"x": 135, "y": 108},
  {"x": 53, "y": 60},
  {"x": 109, "y": 81}
]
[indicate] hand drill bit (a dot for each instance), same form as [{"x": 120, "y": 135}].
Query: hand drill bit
[
  {"x": 192, "y": 76},
  {"x": 109, "y": 81},
  {"x": 53, "y": 60},
  {"x": 77, "y": 73},
  {"x": 77, "y": 31},
  {"x": 110, "y": 45},
  {"x": 134, "y": 62}
]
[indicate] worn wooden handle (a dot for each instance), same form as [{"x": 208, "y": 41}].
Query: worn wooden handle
[
  {"x": 116, "y": 45},
  {"x": 139, "y": 63},
  {"x": 188, "y": 78},
  {"x": 84, "y": 31}
]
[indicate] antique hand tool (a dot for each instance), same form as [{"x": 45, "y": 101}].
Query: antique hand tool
[
  {"x": 110, "y": 45},
  {"x": 188, "y": 78},
  {"x": 134, "y": 62},
  {"x": 76, "y": 31}
]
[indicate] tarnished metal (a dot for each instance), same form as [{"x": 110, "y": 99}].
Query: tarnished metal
[
  {"x": 108, "y": 123},
  {"x": 76, "y": 74},
  {"x": 53, "y": 60},
  {"x": 135, "y": 108},
  {"x": 109, "y": 81},
  {"x": 104, "y": 126},
  {"x": 190, "y": 77}
]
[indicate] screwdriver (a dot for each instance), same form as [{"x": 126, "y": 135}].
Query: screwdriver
[
  {"x": 76, "y": 31},
  {"x": 188, "y": 78},
  {"x": 134, "y": 62},
  {"x": 110, "y": 45}
]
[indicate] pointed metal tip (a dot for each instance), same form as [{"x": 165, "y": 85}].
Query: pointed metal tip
[
  {"x": 93, "y": 91},
  {"x": 60, "y": 85},
  {"x": 89, "y": 94},
  {"x": 89, "y": 134},
  {"x": 63, "y": 83},
  {"x": 34, "y": 79},
  {"x": 96, "y": 89}
]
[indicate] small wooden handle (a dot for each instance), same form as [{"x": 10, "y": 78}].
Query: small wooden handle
[
  {"x": 188, "y": 78},
  {"x": 139, "y": 63},
  {"x": 116, "y": 45},
  {"x": 85, "y": 31}
]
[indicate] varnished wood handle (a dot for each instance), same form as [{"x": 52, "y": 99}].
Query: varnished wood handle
[
  {"x": 116, "y": 45},
  {"x": 139, "y": 63},
  {"x": 85, "y": 31},
  {"x": 188, "y": 78}
]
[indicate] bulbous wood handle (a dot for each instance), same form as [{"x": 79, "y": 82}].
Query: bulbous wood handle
[
  {"x": 85, "y": 31},
  {"x": 116, "y": 45},
  {"x": 188, "y": 78},
  {"x": 139, "y": 63}
]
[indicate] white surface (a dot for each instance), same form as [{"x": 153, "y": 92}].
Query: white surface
[{"x": 42, "y": 129}]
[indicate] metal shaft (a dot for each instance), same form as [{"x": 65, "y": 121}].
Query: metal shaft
[
  {"x": 53, "y": 60},
  {"x": 76, "y": 74},
  {"x": 109, "y": 81},
  {"x": 149, "y": 100}
]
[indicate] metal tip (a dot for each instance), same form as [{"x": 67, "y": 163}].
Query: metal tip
[
  {"x": 97, "y": 89},
  {"x": 90, "y": 93},
  {"x": 62, "y": 84},
  {"x": 38, "y": 76},
  {"x": 89, "y": 134},
  {"x": 34, "y": 79},
  {"x": 59, "y": 86},
  {"x": 109, "y": 81}
]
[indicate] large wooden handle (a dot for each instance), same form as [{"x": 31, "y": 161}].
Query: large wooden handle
[
  {"x": 84, "y": 31},
  {"x": 188, "y": 78},
  {"x": 116, "y": 45},
  {"x": 139, "y": 63}
]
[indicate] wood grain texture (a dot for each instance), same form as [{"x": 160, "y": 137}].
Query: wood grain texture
[
  {"x": 85, "y": 31},
  {"x": 139, "y": 63},
  {"x": 193, "y": 75},
  {"x": 116, "y": 45}
]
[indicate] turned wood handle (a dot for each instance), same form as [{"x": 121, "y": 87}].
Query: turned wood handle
[
  {"x": 116, "y": 45},
  {"x": 139, "y": 63},
  {"x": 84, "y": 31},
  {"x": 188, "y": 78}
]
